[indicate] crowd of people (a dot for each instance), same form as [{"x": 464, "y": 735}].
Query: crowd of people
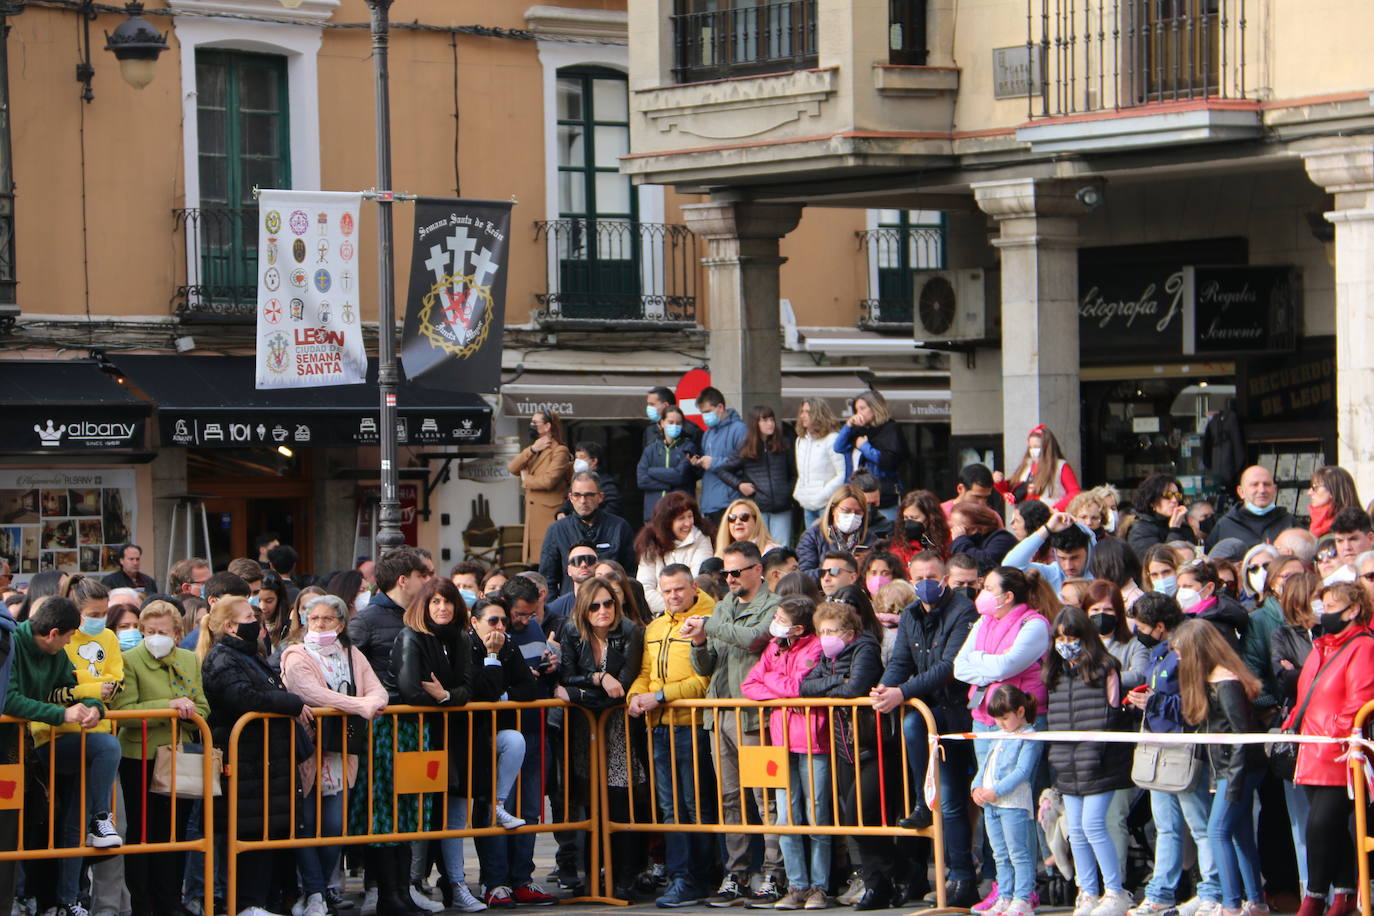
[{"x": 1019, "y": 603}]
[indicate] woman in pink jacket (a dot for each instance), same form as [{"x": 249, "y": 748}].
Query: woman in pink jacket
[
  {"x": 324, "y": 670},
  {"x": 778, "y": 674}
]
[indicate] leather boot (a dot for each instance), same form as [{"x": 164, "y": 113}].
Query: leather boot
[
  {"x": 877, "y": 894},
  {"x": 960, "y": 894},
  {"x": 1312, "y": 906},
  {"x": 919, "y": 819},
  {"x": 393, "y": 882}
]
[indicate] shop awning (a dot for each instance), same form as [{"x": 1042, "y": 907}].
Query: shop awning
[
  {"x": 620, "y": 396},
  {"x": 211, "y": 402},
  {"x": 55, "y": 407}
]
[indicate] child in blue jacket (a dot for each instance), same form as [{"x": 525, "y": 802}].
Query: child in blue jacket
[{"x": 1003, "y": 787}]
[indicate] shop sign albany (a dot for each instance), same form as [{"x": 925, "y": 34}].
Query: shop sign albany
[{"x": 69, "y": 430}]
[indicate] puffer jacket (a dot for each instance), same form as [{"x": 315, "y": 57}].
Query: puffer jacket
[
  {"x": 849, "y": 675},
  {"x": 1248, "y": 528},
  {"x": 882, "y": 456},
  {"x": 1345, "y": 686},
  {"x": 922, "y": 662},
  {"x": 664, "y": 468},
  {"x": 778, "y": 676},
  {"x": 373, "y": 632},
  {"x": 721, "y": 443},
  {"x": 1226, "y": 614},
  {"x": 814, "y": 545},
  {"x": 667, "y": 664},
  {"x": 1265, "y": 620},
  {"x": 1087, "y": 767},
  {"x": 820, "y": 471},
  {"x": 773, "y": 475}
]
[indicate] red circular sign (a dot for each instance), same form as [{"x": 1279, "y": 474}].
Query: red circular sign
[{"x": 689, "y": 386}]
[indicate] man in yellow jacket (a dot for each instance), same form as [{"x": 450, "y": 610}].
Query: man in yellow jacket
[{"x": 680, "y": 744}]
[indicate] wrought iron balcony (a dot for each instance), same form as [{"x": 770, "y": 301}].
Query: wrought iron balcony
[
  {"x": 1102, "y": 55},
  {"x": 896, "y": 256},
  {"x": 616, "y": 272},
  {"x": 221, "y": 264},
  {"x": 769, "y": 37}
]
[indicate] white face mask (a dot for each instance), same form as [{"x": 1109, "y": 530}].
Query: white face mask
[
  {"x": 580, "y": 466},
  {"x": 779, "y": 630},
  {"x": 1188, "y": 598},
  {"x": 158, "y": 645},
  {"x": 1034, "y": 452},
  {"x": 1256, "y": 580},
  {"x": 848, "y": 522}
]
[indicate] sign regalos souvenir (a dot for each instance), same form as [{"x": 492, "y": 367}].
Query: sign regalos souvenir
[
  {"x": 455, "y": 313},
  {"x": 309, "y": 330}
]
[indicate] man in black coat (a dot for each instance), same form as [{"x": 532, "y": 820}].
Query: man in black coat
[
  {"x": 931, "y": 632},
  {"x": 373, "y": 630},
  {"x": 1257, "y": 519},
  {"x": 129, "y": 575},
  {"x": 612, "y": 535}
]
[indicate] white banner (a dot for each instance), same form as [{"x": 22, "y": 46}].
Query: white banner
[{"x": 309, "y": 327}]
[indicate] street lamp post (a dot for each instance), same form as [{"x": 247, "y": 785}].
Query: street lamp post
[{"x": 389, "y": 535}]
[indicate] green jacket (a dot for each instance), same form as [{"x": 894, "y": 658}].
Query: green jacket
[
  {"x": 41, "y": 687},
  {"x": 1254, "y": 647},
  {"x": 735, "y": 635},
  {"x": 152, "y": 683}
]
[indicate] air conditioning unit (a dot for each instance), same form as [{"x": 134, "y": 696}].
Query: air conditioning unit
[{"x": 957, "y": 306}]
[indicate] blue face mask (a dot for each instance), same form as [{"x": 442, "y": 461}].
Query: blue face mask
[
  {"x": 92, "y": 626},
  {"x": 469, "y": 597},
  {"x": 1259, "y": 510},
  {"x": 1069, "y": 650},
  {"x": 1167, "y": 585},
  {"x": 712, "y": 419},
  {"x": 253, "y": 601},
  {"x": 651, "y": 412},
  {"x": 128, "y": 639},
  {"x": 672, "y": 431},
  {"x": 929, "y": 592}
]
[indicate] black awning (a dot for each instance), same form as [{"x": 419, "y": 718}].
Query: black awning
[
  {"x": 212, "y": 402},
  {"x": 64, "y": 406}
]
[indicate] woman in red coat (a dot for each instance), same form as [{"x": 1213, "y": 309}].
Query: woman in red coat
[{"x": 1344, "y": 656}]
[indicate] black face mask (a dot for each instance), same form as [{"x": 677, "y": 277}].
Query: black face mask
[
  {"x": 1333, "y": 623},
  {"x": 1146, "y": 639},
  {"x": 914, "y": 531},
  {"x": 248, "y": 632},
  {"x": 1106, "y": 623},
  {"x": 968, "y": 591},
  {"x": 534, "y": 431}
]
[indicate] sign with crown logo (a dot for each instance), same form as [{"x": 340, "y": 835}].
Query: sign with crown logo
[
  {"x": 307, "y": 336},
  {"x": 455, "y": 313}
]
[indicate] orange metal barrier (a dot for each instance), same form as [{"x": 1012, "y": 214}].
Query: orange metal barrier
[
  {"x": 418, "y": 781},
  {"x": 14, "y": 777},
  {"x": 770, "y": 779},
  {"x": 1363, "y": 845}
]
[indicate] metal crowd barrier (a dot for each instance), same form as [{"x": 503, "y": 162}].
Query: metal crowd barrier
[
  {"x": 14, "y": 779},
  {"x": 1363, "y": 844},
  {"x": 894, "y": 754},
  {"x": 429, "y": 783}
]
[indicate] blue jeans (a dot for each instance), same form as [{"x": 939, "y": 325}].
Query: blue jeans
[
  {"x": 955, "y": 774},
  {"x": 102, "y": 768},
  {"x": 1094, "y": 855},
  {"x": 1231, "y": 830},
  {"x": 316, "y": 863},
  {"x": 673, "y": 754},
  {"x": 779, "y": 525},
  {"x": 451, "y": 848},
  {"x": 1014, "y": 844},
  {"x": 1297, "y": 814},
  {"x": 193, "y": 887},
  {"x": 1173, "y": 814},
  {"x": 509, "y": 860},
  {"x": 809, "y": 516},
  {"x": 810, "y": 788}
]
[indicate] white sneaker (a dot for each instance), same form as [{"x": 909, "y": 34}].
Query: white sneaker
[
  {"x": 369, "y": 907},
  {"x": 1196, "y": 907},
  {"x": 1253, "y": 908},
  {"x": 999, "y": 906},
  {"x": 1148, "y": 907},
  {"x": 464, "y": 901},
  {"x": 316, "y": 906},
  {"x": 1113, "y": 903},
  {"x": 298, "y": 908},
  {"x": 1019, "y": 908},
  {"x": 1085, "y": 904},
  {"x": 508, "y": 820},
  {"x": 256, "y": 911},
  {"x": 423, "y": 902},
  {"x": 102, "y": 833}
]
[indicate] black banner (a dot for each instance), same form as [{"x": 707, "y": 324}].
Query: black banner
[
  {"x": 247, "y": 429},
  {"x": 1241, "y": 309},
  {"x": 455, "y": 311},
  {"x": 100, "y": 428}
]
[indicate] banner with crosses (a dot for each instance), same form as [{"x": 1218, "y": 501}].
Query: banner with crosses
[
  {"x": 309, "y": 324},
  {"x": 455, "y": 312}
]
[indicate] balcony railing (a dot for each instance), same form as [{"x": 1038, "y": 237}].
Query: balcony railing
[
  {"x": 1102, "y": 55},
  {"x": 615, "y": 271},
  {"x": 221, "y": 264},
  {"x": 770, "y": 37},
  {"x": 906, "y": 32},
  {"x": 897, "y": 256}
]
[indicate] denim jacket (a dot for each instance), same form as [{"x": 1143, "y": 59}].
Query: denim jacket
[{"x": 1016, "y": 764}]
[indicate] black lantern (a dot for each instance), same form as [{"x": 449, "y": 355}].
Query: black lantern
[{"x": 136, "y": 45}]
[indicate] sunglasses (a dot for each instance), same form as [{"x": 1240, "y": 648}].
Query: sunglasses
[
  {"x": 607, "y": 605},
  {"x": 495, "y": 621},
  {"x": 835, "y": 571},
  {"x": 735, "y": 573},
  {"x": 1327, "y": 555},
  {"x": 1368, "y": 577},
  {"x": 1173, "y": 494},
  {"x": 582, "y": 561},
  {"x": 740, "y": 517}
]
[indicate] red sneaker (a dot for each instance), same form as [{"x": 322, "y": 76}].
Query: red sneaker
[
  {"x": 532, "y": 894},
  {"x": 498, "y": 897}
]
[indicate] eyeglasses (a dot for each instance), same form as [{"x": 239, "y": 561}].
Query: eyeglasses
[
  {"x": 494, "y": 621},
  {"x": 835, "y": 571},
  {"x": 607, "y": 605},
  {"x": 315, "y": 618},
  {"x": 583, "y": 560},
  {"x": 735, "y": 573},
  {"x": 740, "y": 517},
  {"x": 591, "y": 495},
  {"x": 1327, "y": 554},
  {"x": 1173, "y": 494}
]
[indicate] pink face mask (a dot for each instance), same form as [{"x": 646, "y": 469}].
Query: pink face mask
[
  {"x": 832, "y": 645},
  {"x": 986, "y": 603},
  {"x": 876, "y": 582},
  {"x": 322, "y": 638}
]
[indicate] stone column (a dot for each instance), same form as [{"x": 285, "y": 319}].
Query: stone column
[
  {"x": 742, "y": 261},
  {"x": 1038, "y": 244},
  {"x": 1346, "y": 170}
]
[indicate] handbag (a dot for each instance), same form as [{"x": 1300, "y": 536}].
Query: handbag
[
  {"x": 343, "y": 734},
  {"x": 1165, "y": 767},
  {"x": 190, "y": 771},
  {"x": 1283, "y": 755}
]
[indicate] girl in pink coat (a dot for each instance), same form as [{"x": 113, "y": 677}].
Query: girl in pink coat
[{"x": 791, "y": 653}]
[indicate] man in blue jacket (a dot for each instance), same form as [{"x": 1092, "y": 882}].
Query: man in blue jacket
[
  {"x": 724, "y": 435},
  {"x": 1071, "y": 543},
  {"x": 929, "y": 636}
]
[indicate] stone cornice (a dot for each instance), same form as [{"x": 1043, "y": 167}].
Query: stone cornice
[
  {"x": 306, "y": 13},
  {"x": 560, "y": 21}
]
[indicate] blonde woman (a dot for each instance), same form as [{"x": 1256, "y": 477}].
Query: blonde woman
[
  {"x": 843, "y": 526},
  {"x": 882, "y": 450},
  {"x": 820, "y": 469},
  {"x": 743, "y": 521}
]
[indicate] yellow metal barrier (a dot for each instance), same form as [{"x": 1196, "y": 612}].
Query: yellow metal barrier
[
  {"x": 12, "y": 787},
  {"x": 1363, "y": 845},
  {"x": 820, "y": 707},
  {"x": 425, "y": 788}
]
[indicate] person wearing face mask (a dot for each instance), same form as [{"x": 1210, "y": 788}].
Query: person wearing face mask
[
  {"x": 725, "y": 433},
  {"x": 978, "y": 532},
  {"x": 843, "y": 526},
  {"x": 1257, "y": 518},
  {"x": 930, "y": 634},
  {"x": 820, "y": 469},
  {"x": 665, "y": 465},
  {"x": 1254, "y": 570},
  {"x": 657, "y": 405},
  {"x": 157, "y": 675},
  {"x": 1336, "y": 680},
  {"x": 238, "y": 681},
  {"x": 1043, "y": 473},
  {"x": 467, "y": 576},
  {"x": 1107, "y": 611},
  {"x": 1083, "y": 681},
  {"x": 590, "y": 456},
  {"x": 94, "y": 652},
  {"x": 544, "y": 467},
  {"x": 122, "y": 620},
  {"x": 1265, "y": 620},
  {"x": 1200, "y": 595},
  {"x": 921, "y": 525},
  {"x": 878, "y": 569}
]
